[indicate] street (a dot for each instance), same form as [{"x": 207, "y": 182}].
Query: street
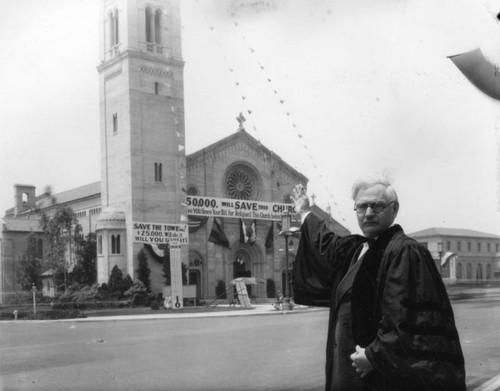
[{"x": 269, "y": 352}]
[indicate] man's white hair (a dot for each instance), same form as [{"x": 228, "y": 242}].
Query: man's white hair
[{"x": 363, "y": 184}]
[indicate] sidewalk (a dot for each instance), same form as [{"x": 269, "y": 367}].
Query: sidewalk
[{"x": 257, "y": 309}]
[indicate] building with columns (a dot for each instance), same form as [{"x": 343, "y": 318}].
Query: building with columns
[{"x": 463, "y": 255}]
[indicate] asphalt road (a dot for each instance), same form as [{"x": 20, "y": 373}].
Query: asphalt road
[{"x": 271, "y": 352}]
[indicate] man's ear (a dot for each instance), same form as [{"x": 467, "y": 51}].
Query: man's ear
[{"x": 395, "y": 207}]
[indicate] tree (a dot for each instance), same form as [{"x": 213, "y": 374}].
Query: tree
[
  {"x": 143, "y": 270},
  {"x": 29, "y": 268},
  {"x": 115, "y": 281},
  {"x": 61, "y": 232},
  {"x": 85, "y": 271}
]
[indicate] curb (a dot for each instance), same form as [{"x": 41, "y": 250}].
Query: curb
[
  {"x": 227, "y": 314},
  {"x": 490, "y": 385}
]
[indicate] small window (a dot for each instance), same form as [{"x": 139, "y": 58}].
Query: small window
[
  {"x": 469, "y": 246},
  {"x": 115, "y": 244},
  {"x": 497, "y": 247},
  {"x": 158, "y": 172},
  {"x": 459, "y": 246},
  {"x": 99, "y": 244},
  {"x": 115, "y": 123},
  {"x": 479, "y": 247},
  {"x": 489, "y": 247},
  {"x": 448, "y": 246}
]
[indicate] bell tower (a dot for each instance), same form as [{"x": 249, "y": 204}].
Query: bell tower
[{"x": 143, "y": 161}]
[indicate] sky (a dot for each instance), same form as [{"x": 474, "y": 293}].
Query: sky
[{"x": 340, "y": 90}]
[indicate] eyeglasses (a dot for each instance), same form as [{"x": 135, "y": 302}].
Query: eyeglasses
[{"x": 376, "y": 207}]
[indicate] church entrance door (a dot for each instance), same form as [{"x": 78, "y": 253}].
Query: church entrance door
[{"x": 240, "y": 270}]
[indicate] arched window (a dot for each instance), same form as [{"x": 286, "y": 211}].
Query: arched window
[
  {"x": 111, "y": 18},
  {"x": 114, "y": 28},
  {"x": 469, "y": 271},
  {"x": 149, "y": 25},
  {"x": 158, "y": 27},
  {"x": 459, "y": 271},
  {"x": 99, "y": 244},
  {"x": 115, "y": 244},
  {"x": 488, "y": 271},
  {"x": 117, "y": 28},
  {"x": 479, "y": 272},
  {"x": 153, "y": 29}
]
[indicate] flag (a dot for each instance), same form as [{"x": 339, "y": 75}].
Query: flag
[
  {"x": 270, "y": 237},
  {"x": 252, "y": 234},
  {"x": 217, "y": 234},
  {"x": 243, "y": 232},
  {"x": 482, "y": 73}
]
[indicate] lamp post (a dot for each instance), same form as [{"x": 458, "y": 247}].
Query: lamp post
[
  {"x": 286, "y": 220},
  {"x": 33, "y": 289},
  {"x": 440, "y": 252},
  {"x": 287, "y": 231}
]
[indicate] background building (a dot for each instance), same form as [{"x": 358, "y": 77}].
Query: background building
[{"x": 477, "y": 254}]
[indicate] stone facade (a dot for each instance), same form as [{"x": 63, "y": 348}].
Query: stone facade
[
  {"x": 208, "y": 173},
  {"x": 145, "y": 173}
]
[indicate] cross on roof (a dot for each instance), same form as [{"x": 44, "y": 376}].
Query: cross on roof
[
  {"x": 313, "y": 197},
  {"x": 240, "y": 120}
]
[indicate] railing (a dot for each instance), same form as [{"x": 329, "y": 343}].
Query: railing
[{"x": 154, "y": 48}]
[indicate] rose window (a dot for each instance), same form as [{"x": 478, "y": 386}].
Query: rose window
[{"x": 241, "y": 183}]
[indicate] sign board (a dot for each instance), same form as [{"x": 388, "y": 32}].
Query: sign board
[
  {"x": 175, "y": 235},
  {"x": 176, "y": 278},
  {"x": 238, "y": 209},
  {"x": 158, "y": 233}
]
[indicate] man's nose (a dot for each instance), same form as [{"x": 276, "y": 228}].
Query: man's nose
[{"x": 369, "y": 211}]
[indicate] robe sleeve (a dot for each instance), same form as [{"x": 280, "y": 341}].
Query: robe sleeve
[
  {"x": 417, "y": 345},
  {"x": 316, "y": 263}
]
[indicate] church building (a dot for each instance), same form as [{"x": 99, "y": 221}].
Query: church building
[{"x": 146, "y": 175}]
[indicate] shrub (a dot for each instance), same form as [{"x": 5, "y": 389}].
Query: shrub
[
  {"x": 115, "y": 280},
  {"x": 137, "y": 293},
  {"x": 126, "y": 284}
]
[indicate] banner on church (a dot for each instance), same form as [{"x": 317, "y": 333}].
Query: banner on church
[
  {"x": 238, "y": 209},
  {"x": 157, "y": 233}
]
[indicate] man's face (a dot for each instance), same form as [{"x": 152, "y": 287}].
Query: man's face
[{"x": 374, "y": 224}]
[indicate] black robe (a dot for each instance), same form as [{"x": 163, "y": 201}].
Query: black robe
[{"x": 400, "y": 311}]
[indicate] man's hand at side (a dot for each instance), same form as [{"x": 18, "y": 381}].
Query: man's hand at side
[{"x": 360, "y": 363}]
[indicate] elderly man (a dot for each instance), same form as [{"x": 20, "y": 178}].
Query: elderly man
[{"x": 391, "y": 323}]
